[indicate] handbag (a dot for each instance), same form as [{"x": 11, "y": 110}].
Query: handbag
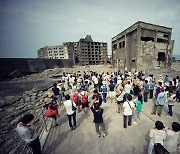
[
  {"x": 50, "y": 112},
  {"x": 73, "y": 107}
]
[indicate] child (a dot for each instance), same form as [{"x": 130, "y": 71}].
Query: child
[
  {"x": 171, "y": 102},
  {"x": 138, "y": 110}
]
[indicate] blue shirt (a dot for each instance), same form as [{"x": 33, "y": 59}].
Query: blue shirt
[{"x": 152, "y": 85}]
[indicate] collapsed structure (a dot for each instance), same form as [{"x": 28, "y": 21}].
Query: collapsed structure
[
  {"x": 142, "y": 46},
  {"x": 84, "y": 52}
]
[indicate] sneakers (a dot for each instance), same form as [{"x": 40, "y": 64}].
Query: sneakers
[
  {"x": 134, "y": 122},
  {"x": 99, "y": 135},
  {"x": 104, "y": 135}
]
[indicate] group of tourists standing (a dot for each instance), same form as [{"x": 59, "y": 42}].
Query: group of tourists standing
[{"x": 129, "y": 90}]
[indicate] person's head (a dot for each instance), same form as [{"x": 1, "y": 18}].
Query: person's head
[
  {"x": 55, "y": 85},
  {"x": 159, "y": 125},
  {"x": 95, "y": 91},
  {"x": 96, "y": 106},
  {"x": 67, "y": 97},
  {"x": 128, "y": 82},
  {"x": 86, "y": 82},
  {"x": 129, "y": 97},
  {"x": 170, "y": 92},
  {"x": 140, "y": 98},
  {"x": 27, "y": 119},
  {"x": 146, "y": 81},
  {"x": 160, "y": 83},
  {"x": 111, "y": 81},
  {"x": 176, "y": 126}
]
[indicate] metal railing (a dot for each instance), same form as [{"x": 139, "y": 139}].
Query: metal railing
[{"x": 42, "y": 130}]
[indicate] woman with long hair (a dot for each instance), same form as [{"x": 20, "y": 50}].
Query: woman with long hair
[{"x": 138, "y": 110}]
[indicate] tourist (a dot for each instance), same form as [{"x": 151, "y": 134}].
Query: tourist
[
  {"x": 100, "y": 80},
  {"x": 128, "y": 109},
  {"x": 146, "y": 91},
  {"x": 97, "y": 97},
  {"x": 120, "y": 97},
  {"x": 157, "y": 135},
  {"x": 98, "y": 119},
  {"x": 136, "y": 90},
  {"x": 158, "y": 89},
  {"x": 171, "y": 102},
  {"x": 178, "y": 91},
  {"x": 84, "y": 99},
  {"x": 77, "y": 99},
  {"x": 137, "y": 112},
  {"x": 152, "y": 86},
  {"x": 111, "y": 91},
  {"x": 26, "y": 130},
  {"x": 71, "y": 112},
  {"x": 104, "y": 90},
  {"x": 127, "y": 88},
  {"x": 160, "y": 101},
  {"x": 56, "y": 92},
  {"x": 172, "y": 135},
  {"x": 166, "y": 79},
  {"x": 51, "y": 108}
]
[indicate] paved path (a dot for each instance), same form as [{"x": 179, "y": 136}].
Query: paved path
[{"x": 84, "y": 140}]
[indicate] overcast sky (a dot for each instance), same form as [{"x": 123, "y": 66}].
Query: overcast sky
[{"x": 27, "y": 25}]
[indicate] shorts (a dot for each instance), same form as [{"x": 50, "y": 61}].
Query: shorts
[
  {"x": 85, "y": 105},
  {"x": 120, "y": 102},
  {"x": 112, "y": 94},
  {"x": 59, "y": 97}
]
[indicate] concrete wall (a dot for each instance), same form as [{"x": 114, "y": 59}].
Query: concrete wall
[{"x": 28, "y": 66}]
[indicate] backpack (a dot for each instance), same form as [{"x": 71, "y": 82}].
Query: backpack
[
  {"x": 75, "y": 97},
  {"x": 104, "y": 89},
  {"x": 84, "y": 98}
]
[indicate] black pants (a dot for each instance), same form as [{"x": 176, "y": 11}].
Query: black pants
[
  {"x": 129, "y": 118},
  {"x": 36, "y": 146},
  {"x": 151, "y": 94},
  {"x": 70, "y": 119}
]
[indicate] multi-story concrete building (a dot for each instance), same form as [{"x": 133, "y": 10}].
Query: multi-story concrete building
[
  {"x": 64, "y": 51},
  {"x": 88, "y": 52},
  {"x": 142, "y": 46}
]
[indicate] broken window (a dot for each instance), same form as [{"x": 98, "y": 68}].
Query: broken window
[
  {"x": 146, "y": 39},
  {"x": 123, "y": 44},
  {"x": 161, "y": 40},
  {"x": 120, "y": 45},
  {"x": 161, "y": 56},
  {"x": 115, "y": 47},
  {"x": 165, "y": 35},
  {"x": 133, "y": 60}
]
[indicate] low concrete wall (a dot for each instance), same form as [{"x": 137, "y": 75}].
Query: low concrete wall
[{"x": 30, "y": 65}]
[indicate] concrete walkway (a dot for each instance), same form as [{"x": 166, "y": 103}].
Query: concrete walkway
[{"x": 84, "y": 140}]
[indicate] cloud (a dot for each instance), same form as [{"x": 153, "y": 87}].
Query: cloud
[{"x": 46, "y": 22}]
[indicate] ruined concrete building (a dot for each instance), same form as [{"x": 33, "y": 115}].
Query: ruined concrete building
[
  {"x": 83, "y": 52},
  {"x": 142, "y": 46},
  {"x": 88, "y": 52},
  {"x": 64, "y": 51}
]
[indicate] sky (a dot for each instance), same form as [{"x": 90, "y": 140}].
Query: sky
[{"x": 27, "y": 25}]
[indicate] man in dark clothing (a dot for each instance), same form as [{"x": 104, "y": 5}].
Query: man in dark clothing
[
  {"x": 98, "y": 120},
  {"x": 146, "y": 91},
  {"x": 136, "y": 90},
  {"x": 97, "y": 97}
]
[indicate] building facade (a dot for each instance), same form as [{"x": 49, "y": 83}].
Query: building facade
[
  {"x": 64, "y": 51},
  {"x": 88, "y": 52},
  {"x": 142, "y": 46}
]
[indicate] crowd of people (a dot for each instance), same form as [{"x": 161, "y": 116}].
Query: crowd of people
[{"x": 130, "y": 90}]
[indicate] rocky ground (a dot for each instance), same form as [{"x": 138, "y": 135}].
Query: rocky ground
[{"x": 26, "y": 94}]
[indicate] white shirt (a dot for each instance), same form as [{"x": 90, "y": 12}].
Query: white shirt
[
  {"x": 157, "y": 136},
  {"x": 127, "y": 88},
  {"x": 68, "y": 107},
  {"x": 26, "y": 133},
  {"x": 127, "y": 108},
  {"x": 95, "y": 80}
]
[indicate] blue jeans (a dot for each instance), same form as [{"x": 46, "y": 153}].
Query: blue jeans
[
  {"x": 170, "y": 110},
  {"x": 150, "y": 148},
  {"x": 104, "y": 97},
  {"x": 145, "y": 96}
]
